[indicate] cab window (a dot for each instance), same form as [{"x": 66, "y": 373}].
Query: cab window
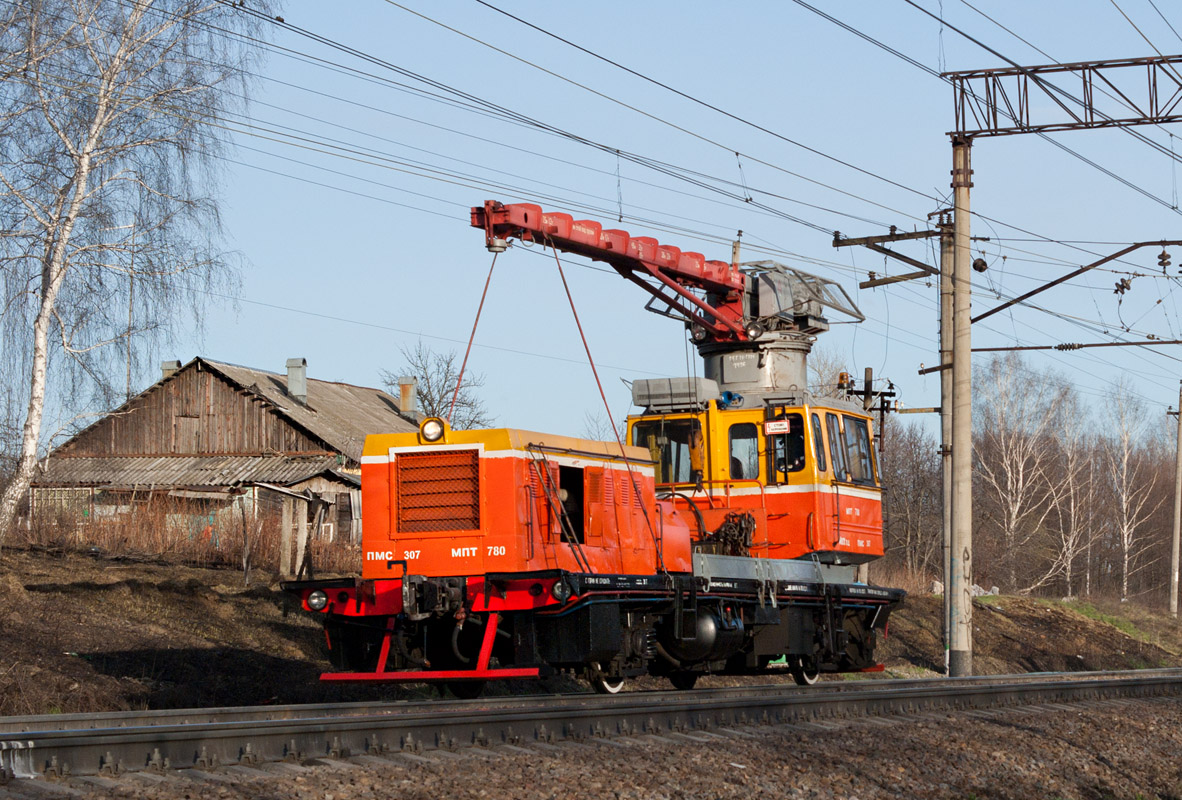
[
  {"x": 676, "y": 445},
  {"x": 744, "y": 451},
  {"x": 786, "y": 440},
  {"x": 836, "y": 447},
  {"x": 818, "y": 443},
  {"x": 857, "y": 445}
]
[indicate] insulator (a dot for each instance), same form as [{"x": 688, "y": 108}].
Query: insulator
[
  {"x": 1163, "y": 260},
  {"x": 1068, "y": 346}
]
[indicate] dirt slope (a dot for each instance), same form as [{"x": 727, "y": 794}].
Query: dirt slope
[
  {"x": 1020, "y": 634},
  {"x": 81, "y": 633}
]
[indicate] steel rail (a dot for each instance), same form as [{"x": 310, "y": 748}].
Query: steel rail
[
  {"x": 112, "y": 743},
  {"x": 123, "y": 719}
]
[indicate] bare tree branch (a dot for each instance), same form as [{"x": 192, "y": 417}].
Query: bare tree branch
[{"x": 437, "y": 375}]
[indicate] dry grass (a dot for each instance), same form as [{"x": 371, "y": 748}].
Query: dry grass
[
  {"x": 1147, "y": 625},
  {"x": 174, "y": 531},
  {"x": 882, "y": 574}
]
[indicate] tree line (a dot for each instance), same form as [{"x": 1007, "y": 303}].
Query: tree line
[{"x": 1071, "y": 497}]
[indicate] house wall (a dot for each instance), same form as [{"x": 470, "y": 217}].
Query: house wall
[{"x": 197, "y": 412}]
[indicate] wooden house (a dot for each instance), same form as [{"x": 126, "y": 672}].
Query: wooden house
[{"x": 231, "y": 442}]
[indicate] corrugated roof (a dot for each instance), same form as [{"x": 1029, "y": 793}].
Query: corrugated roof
[
  {"x": 172, "y": 471},
  {"x": 339, "y": 413}
]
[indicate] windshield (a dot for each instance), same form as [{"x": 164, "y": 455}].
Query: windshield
[
  {"x": 675, "y": 444},
  {"x": 860, "y": 455}
]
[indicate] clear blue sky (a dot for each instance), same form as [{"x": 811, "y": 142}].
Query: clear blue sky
[{"x": 356, "y": 258}]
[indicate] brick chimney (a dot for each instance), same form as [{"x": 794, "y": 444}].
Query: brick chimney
[
  {"x": 169, "y": 368},
  {"x": 297, "y": 380}
]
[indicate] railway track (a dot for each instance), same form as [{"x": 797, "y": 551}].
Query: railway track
[{"x": 110, "y": 744}]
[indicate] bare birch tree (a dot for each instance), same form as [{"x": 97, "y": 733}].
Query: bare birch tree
[
  {"x": 108, "y": 141},
  {"x": 911, "y": 505},
  {"x": 1071, "y": 493},
  {"x": 1017, "y": 414},
  {"x": 1131, "y": 480},
  {"x": 438, "y": 374}
]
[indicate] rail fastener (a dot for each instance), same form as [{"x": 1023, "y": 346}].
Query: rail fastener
[
  {"x": 247, "y": 757},
  {"x": 292, "y": 753},
  {"x": 109, "y": 767},
  {"x": 157, "y": 763},
  {"x": 56, "y": 771},
  {"x": 205, "y": 761}
]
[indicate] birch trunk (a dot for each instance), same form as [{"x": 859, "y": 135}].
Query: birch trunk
[{"x": 104, "y": 127}]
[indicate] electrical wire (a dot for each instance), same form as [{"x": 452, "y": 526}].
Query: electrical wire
[
  {"x": 1050, "y": 240},
  {"x": 1166, "y": 21}
]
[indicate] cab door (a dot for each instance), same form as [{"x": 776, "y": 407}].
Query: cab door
[
  {"x": 854, "y": 505},
  {"x": 790, "y": 492}
]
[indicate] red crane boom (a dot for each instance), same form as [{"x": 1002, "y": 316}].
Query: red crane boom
[{"x": 636, "y": 258}]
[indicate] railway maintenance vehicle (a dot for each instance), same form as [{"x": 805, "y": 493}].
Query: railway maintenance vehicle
[{"x": 724, "y": 533}]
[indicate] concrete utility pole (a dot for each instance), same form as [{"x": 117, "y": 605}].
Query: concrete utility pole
[
  {"x": 997, "y": 102},
  {"x": 1177, "y": 511},
  {"x": 947, "y": 253},
  {"x": 960, "y": 588}
]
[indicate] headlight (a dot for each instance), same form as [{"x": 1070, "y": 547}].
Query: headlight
[
  {"x": 317, "y": 600},
  {"x": 431, "y": 429},
  {"x": 560, "y": 590}
]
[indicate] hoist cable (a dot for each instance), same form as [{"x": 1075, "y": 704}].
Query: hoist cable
[{"x": 459, "y": 378}]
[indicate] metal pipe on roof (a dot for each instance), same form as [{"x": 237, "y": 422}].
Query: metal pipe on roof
[{"x": 297, "y": 380}]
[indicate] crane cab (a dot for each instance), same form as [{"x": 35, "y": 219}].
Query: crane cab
[{"x": 795, "y": 478}]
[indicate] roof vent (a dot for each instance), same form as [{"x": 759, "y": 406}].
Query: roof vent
[
  {"x": 169, "y": 368},
  {"x": 297, "y": 380}
]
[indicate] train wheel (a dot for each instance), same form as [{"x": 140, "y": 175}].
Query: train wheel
[
  {"x": 601, "y": 683},
  {"x": 683, "y": 680},
  {"x": 804, "y": 674},
  {"x": 465, "y": 690}
]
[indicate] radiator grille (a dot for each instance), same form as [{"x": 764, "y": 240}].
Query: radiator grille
[{"x": 438, "y": 491}]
